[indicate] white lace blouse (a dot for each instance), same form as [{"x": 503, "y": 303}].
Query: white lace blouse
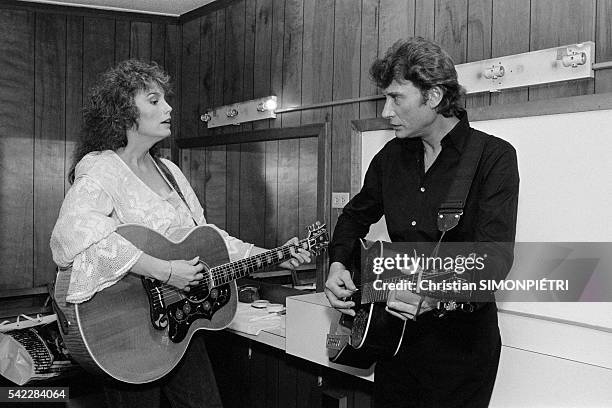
[{"x": 105, "y": 194}]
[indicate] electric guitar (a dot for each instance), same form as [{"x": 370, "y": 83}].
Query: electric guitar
[
  {"x": 373, "y": 333},
  {"x": 138, "y": 329}
]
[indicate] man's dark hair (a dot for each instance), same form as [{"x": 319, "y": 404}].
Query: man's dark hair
[
  {"x": 426, "y": 65},
  {"x": 110, "y": 108}
]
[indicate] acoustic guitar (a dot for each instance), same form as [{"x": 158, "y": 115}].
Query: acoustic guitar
[
  {"x": 137, "y": 330},
  {"x": 373, "y": 333}
]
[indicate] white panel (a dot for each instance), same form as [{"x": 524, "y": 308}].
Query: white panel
[{"x": 527, "y": 379}]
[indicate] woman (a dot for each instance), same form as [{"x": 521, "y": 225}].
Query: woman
[{"x": 116, "y": 179}]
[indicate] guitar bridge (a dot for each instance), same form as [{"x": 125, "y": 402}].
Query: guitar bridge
[{"x": 157, "y": 307}]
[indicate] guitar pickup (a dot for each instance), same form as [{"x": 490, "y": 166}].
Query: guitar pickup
[{"x": 337, "y": 341}]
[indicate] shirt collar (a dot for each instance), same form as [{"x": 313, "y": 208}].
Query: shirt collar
[{"x": 456, "y": 138}]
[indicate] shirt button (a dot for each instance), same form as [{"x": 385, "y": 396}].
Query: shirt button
[
  {"x": 413, "y": 223},
  {"x": 422, "y": 189}
]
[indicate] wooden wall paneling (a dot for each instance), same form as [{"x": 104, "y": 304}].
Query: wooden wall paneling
[
  {"x": 216, "y": 187},
  {"x": 248, "y": 86},
  {"x": 307, "y": 184},
  {"x": 220, "y": 49},
  {"x": 49, "y": 137},
  {"x": 318, "y": 57},
  {"x": 252, "y": 184},
  {"x": 172, "y": 50},
  {"x": 292, "y": 61},
  {"x": 216, "y": 184},
  {"x": 561, "y": 22},
  {"x": 451, "y": 28},
  {"x": 271, "y": 195},
  {"x": 98, "y": 49},
  {"x": 189, "y": 77},
  {"x": 263, "y": 367},
  {"x": 122, "y": 40},
  {"x": 603, "y": 45},
  {"x": 140, "y": 40},
  {"x": 396, "y": 21},
  {"x": 74, "y": 88},
  {"x": 262, "y": 51},
  {"x": 287, "y": 380},
  {"x": 158, "y": 43},
  {"x": 369, "y": 53},
  {"x": 276, "y": 56},
  {"x": 16, "y": 148},
  {"x": 510, "y": 35},
  {"x": 262, "y": 87},
  {"x": 479, "y": 21},
  {"x": 347, "y": 47},
  {"x": 288, "y": 182},
  {"x": 308, "y": 392},
  {"x": 199, "y": 175},
  {"x": 232, "y": 83},
  {"x": 189, "y": 91},
  {"x": 424, "y": 19}
]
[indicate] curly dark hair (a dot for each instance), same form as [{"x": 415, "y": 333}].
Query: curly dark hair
[
  {"x": 426, "y": 65},
  {"x": 110, "y": 110}
]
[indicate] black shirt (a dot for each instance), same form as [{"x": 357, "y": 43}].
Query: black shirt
[{"x": 397, "y": 186}]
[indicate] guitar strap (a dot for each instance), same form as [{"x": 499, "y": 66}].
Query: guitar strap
[
  {"x": 172, "y": 180},
  {"x": 451, "y": 210}
]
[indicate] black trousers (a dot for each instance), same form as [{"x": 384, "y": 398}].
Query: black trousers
[
  {"x": 443, "y": 362},
  {"x": 191, "y": 384}
]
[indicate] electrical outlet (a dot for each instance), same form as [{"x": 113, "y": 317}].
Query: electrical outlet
[{"x": 339, "y": 200}]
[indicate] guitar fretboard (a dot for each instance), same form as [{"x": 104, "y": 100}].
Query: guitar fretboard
[{"x": 238, "y": 269}]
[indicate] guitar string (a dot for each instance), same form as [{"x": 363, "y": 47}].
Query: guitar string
[{"x": 222, "y": 271}]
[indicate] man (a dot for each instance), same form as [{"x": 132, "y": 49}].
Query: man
[{"x": 447, "y": 359}]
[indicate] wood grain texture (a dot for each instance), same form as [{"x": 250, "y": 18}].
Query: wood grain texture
[
  {"x": 369, "y": 53},
  {"x": 425, "y": 17},
  {"x": 451, "y": 28},
  {"x": 510, "y": 17},
  {"x": 98, "y": 49},
  {"x": 292, "y": 61},
  {"x": 307, "y": 184},
  {"x": 216, "y": 185},
  {"x": 248, "y": 85},
  {"x": 479, "y": 41},
  {"x": 603, "y": 45},
  {"x": 74, "y": 89},
  {"x": 220, "y": 45},
  {"x": 140, "y": 40},
  {"x": 16, "y": 148},
  {"x": 207, "y": 69},
  {"x": 189, "y": 91},
  {"x": 262, "y": 51},
  {"x": 172, "y": 53},
  {"x": 288, "y": 181},
  {"x": 252, "y": 193},
  {"x": 271, "y": 196},
  {"x": 49, "y": 137},
  {"x": 276, "y": 56},
  {"x": 347, "y": 45},
  {"x": 549, "y": 28},
  {"x": 123, "y": 33}
]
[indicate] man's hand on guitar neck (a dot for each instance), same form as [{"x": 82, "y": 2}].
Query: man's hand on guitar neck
[{"x": 338, "y": 286}]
